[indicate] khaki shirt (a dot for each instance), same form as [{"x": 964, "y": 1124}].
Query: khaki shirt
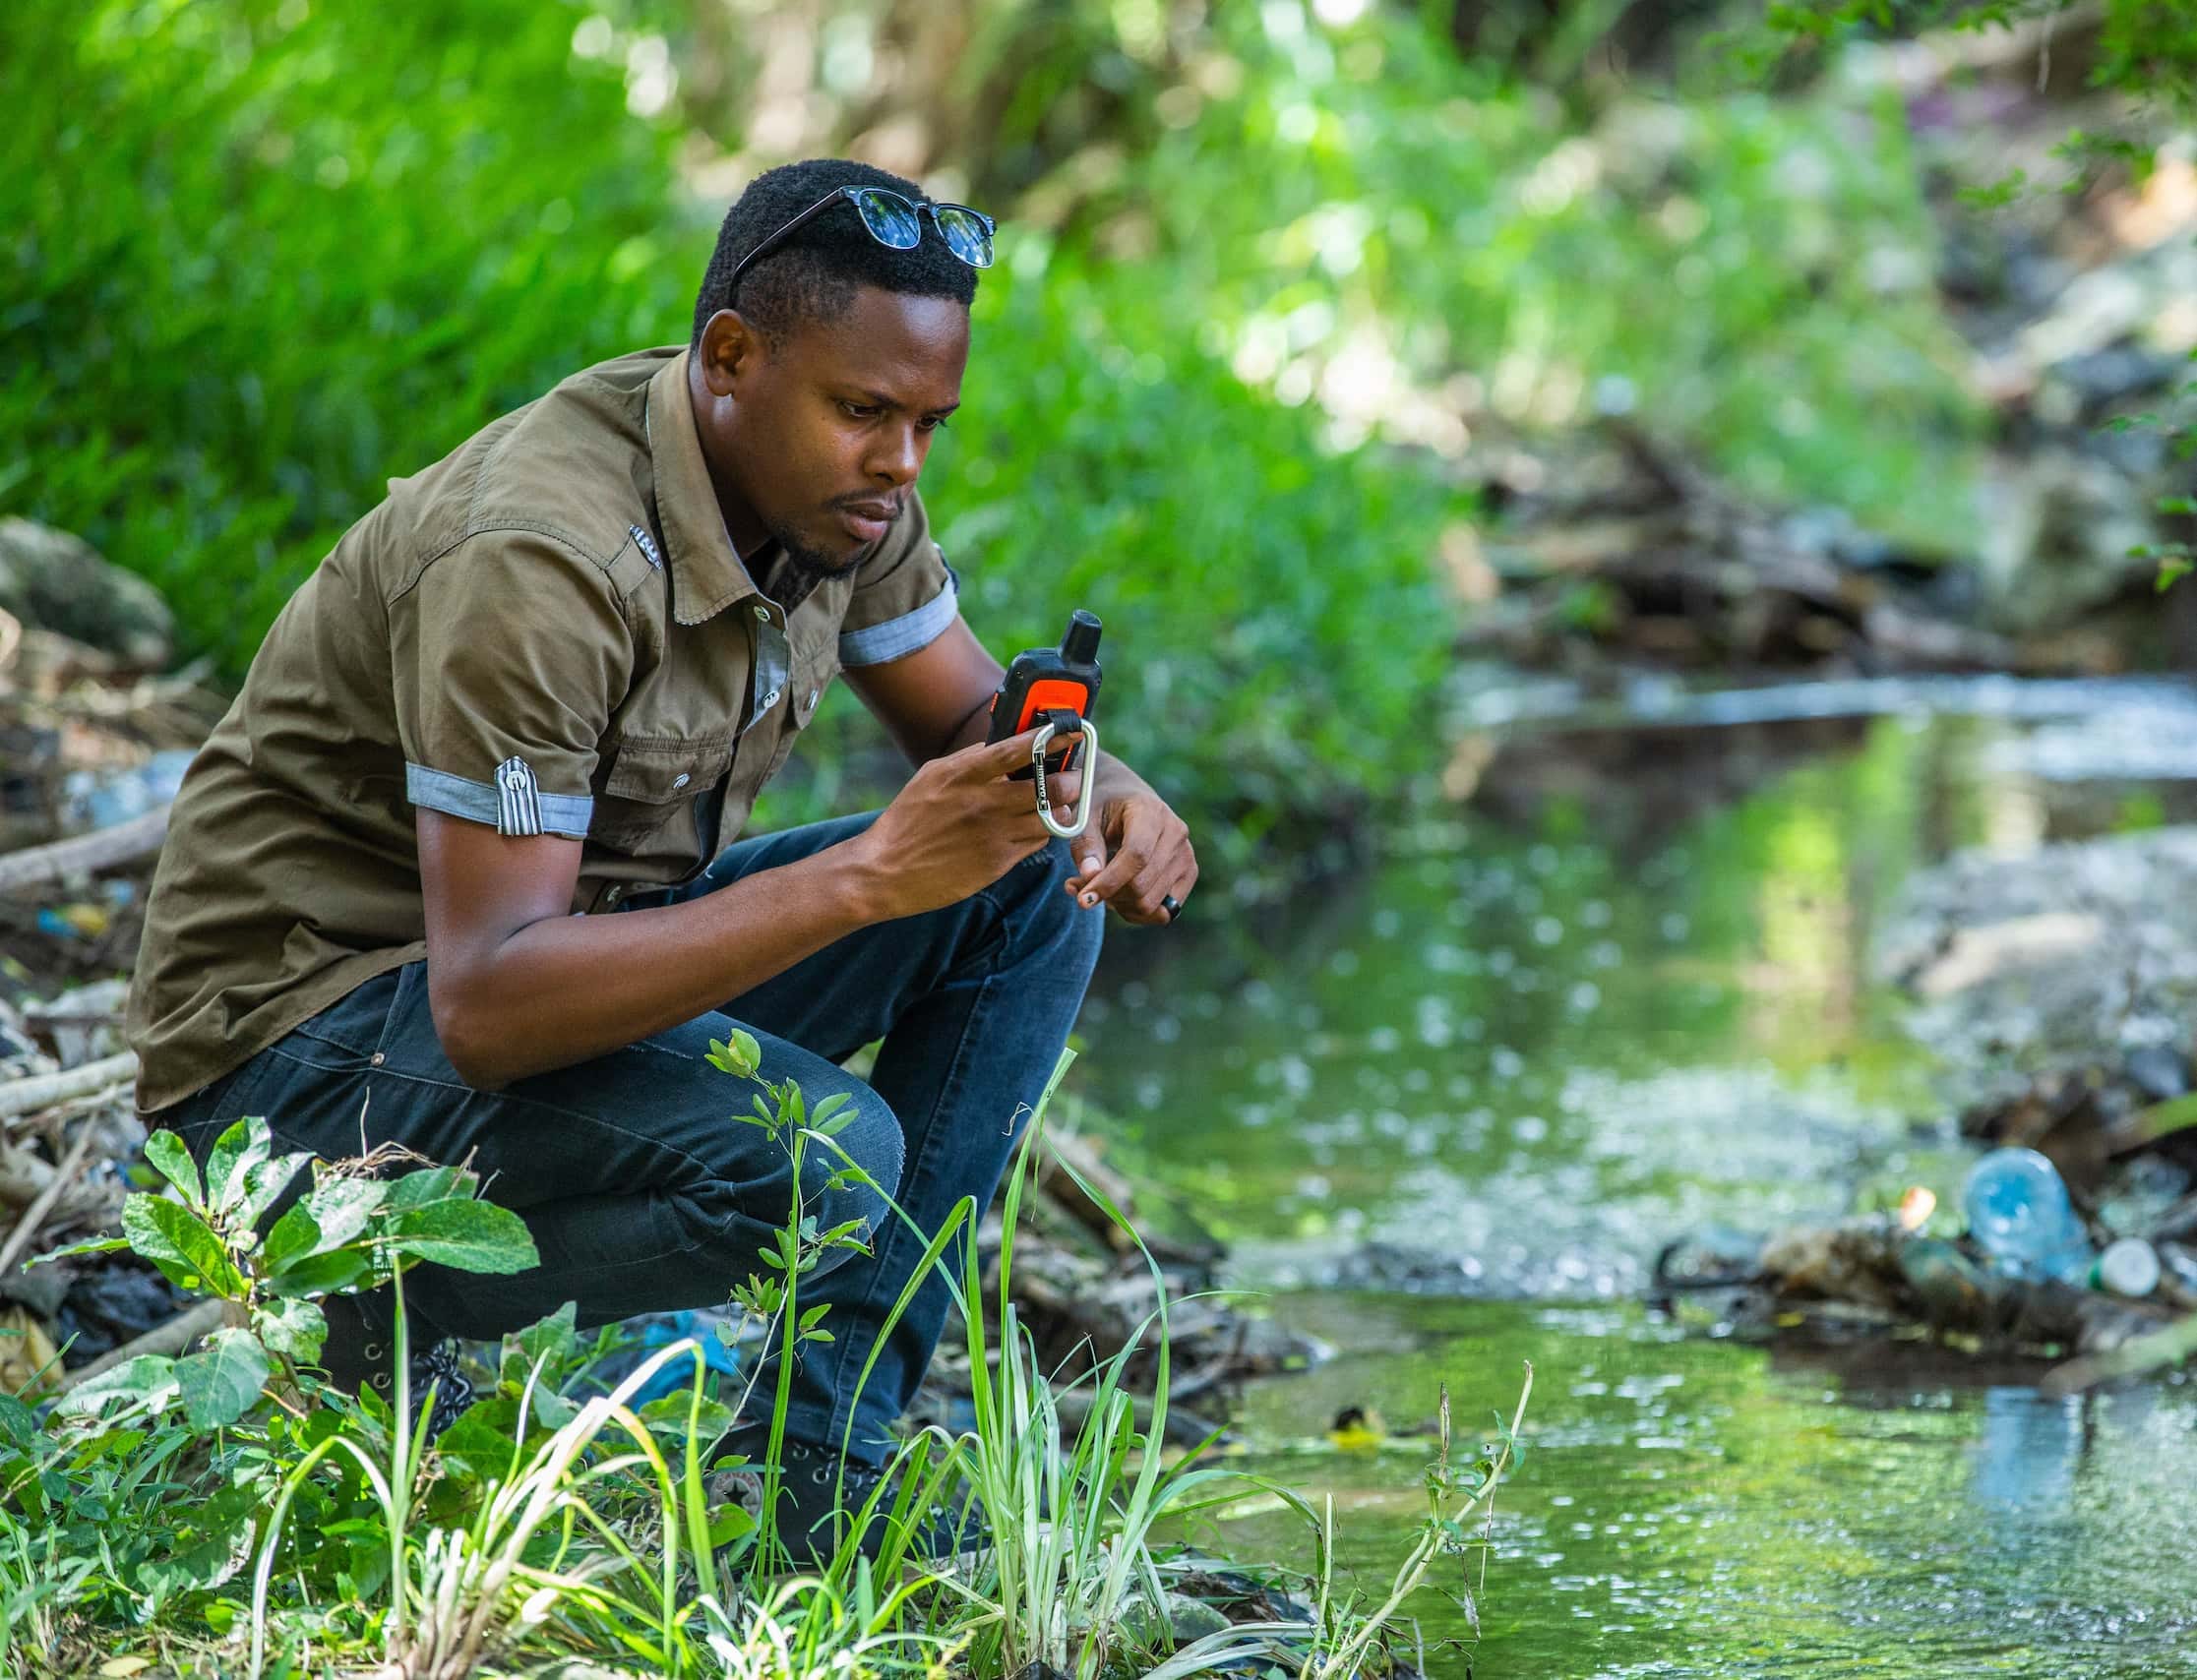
[{"x": 549, "y": 632}]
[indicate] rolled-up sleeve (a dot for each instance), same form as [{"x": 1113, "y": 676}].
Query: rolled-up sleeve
[
  {"x": 904, "y": 596},
  {"x": 507, "y": 658}
]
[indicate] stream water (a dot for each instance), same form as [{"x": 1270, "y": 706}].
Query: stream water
[{"x": 1446, "y": 1115}]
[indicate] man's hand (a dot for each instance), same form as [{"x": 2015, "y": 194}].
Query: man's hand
[
  {"x": 1148, "y": 844},
  {"x": 955, "y": 827}
]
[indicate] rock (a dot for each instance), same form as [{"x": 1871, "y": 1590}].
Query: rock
[
  {"x": 2000, "y": 1003},
  {"x": 1978, "y": 954},
  {"x": 56, "y": 581},
  {"x": 2159, "y": 1071},
  {"x": 2054, "y": 537}
]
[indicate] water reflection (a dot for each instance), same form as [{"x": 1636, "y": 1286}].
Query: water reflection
[
  {"x": 1629, "y": 997},
  {"x": 1690, "y": 1508}
]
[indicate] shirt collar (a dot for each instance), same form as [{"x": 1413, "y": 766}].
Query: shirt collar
[{"x": 707, "y": 573}]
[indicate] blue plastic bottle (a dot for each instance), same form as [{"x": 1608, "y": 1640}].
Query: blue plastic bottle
[{"x": 2019, "y": 1213}]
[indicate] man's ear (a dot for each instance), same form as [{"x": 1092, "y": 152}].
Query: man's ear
[{"x": 730, "y": 344}]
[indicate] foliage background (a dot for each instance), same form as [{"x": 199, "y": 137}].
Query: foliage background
[{"x": 1271, "y": 272}]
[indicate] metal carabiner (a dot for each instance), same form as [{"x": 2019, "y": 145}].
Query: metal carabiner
[{"x": 1046, "y": 732}]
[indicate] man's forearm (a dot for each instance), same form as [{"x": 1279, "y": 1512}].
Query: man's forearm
[{"x": 569, "y": 987}]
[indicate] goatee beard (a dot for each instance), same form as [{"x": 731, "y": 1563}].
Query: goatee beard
[{"x": 810, "y": 566}]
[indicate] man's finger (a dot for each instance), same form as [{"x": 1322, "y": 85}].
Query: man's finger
[
  {"x": 1064, "y": 791},
  {"x": 1138, "y": 840},
  {"x": 1089, "y": 850},
  {"x": 990, "y": 761}
]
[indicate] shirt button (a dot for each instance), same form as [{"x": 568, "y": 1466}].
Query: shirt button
[
  {"x": 764, "y": 612},
  {"x": 680, "y": 780},
  {"x": 812, "y": 693},
  {"x": 770, "y": 699},
  {"x": 613, "y": 895}
]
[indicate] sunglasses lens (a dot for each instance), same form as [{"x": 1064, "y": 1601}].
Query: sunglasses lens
[
  {"x": 965, "y": 235},
  {"x": 889, "y": 216}
]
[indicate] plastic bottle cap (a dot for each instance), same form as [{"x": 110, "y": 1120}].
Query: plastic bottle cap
[{"x": 2129, "y": 1267}]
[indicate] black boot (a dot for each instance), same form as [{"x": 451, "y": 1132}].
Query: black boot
[
  {"x": 361, "y": 1353},
  {"x": 819, "y": 1498}
]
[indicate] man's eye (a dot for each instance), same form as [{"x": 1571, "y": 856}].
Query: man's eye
[
  {"x": 859, "y": 412},
  {"x": 935, "y": 423}
]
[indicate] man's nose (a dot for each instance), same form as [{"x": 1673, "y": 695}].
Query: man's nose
[{"x": 898, "y": 457}]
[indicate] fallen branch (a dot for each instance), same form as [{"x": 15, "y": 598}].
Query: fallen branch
[
  {"x": 43, "y": 1089},
  {"x": 83, "y": 854},
  {"x": 2139, "y": 1357},
  {"x": 23, "y": 1177},
  {"x": 35, "y": 1215},
  {"x": 170, "y": 1340}
]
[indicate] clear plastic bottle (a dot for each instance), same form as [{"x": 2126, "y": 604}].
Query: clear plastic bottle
[{"x": 2019, "y": 1213}]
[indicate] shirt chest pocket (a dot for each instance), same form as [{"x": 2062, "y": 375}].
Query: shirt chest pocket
[{"x": 652, "y": 781}]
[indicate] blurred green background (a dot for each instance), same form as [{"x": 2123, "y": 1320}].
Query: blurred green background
[{"x": 1267, "y": 272}]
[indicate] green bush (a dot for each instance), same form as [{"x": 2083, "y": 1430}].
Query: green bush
[
  {"x": 259, "y": 257},
  {"x": 1753, "y": 275}
]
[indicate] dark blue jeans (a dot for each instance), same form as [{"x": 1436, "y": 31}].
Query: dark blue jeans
[{"x": 640, "y": 1189}]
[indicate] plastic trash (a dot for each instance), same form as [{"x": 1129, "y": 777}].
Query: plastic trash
[
  {"x": 655, "y": 1330},
  {"x": 100, "y": 799},
  {"x": 2129, "y": 1267},
  {"x": 2019, "y": 1213}
]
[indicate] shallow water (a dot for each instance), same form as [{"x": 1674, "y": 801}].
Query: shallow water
[{"x": 1624, "y": 996}]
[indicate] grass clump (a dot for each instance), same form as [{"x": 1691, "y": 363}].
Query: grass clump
[{"x": 230, "y": 1514}]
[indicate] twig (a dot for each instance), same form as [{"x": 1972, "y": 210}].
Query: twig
[
  {"x": 23, "y": 1177},
  {"x": 104, "y": 849},
  {"x": 169, "y": 1339},
  {"x": 42, "y": 1090},
  {"x": 35, "y": 1215}
]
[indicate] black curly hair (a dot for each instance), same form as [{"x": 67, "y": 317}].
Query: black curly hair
[{"x": 813, "y": 276}]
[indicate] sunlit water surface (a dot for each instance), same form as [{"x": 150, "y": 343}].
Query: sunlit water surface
[{"x": 1447, "y": 1114}]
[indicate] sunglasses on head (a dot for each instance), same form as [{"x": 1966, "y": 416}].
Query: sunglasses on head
[{"x": 895, "y": 220}]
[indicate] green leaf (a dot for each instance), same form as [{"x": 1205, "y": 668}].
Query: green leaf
[
  {"x": 341, "y": 1207},
  {"x": 480, "y": 1442},
  {"x": 428, "y": 1184},
  {"x": 243, "y": 1145},
  {"x": 742, "y": 1056},
  {"x": 296, "y": 1328},
  {"x": 731, "y": 1522},
  {"x": 830, "y": 1105},
  {"x": 550, "y": 1340},
  {"x": 174, "y": 1162},
  {"x": 295, "y": 1235},
  {"x": 553, "y": 1410},
  {"x": 2172, "y": 569},
  {"x": 471, "y": 1235},
  {"x": 96, "y": 1245},
  {"x": 323, "y": 1273},
  {"x": 182, "y": 1244},
  {"x": 222, "y": 1381},
  {"x": 264, "y": 1181},
  {"x": 150, "y": 1378},
  {"x": 18, "y": 1422}
]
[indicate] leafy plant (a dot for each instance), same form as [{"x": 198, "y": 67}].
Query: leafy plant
[{"x": 348, "y": 1230}]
